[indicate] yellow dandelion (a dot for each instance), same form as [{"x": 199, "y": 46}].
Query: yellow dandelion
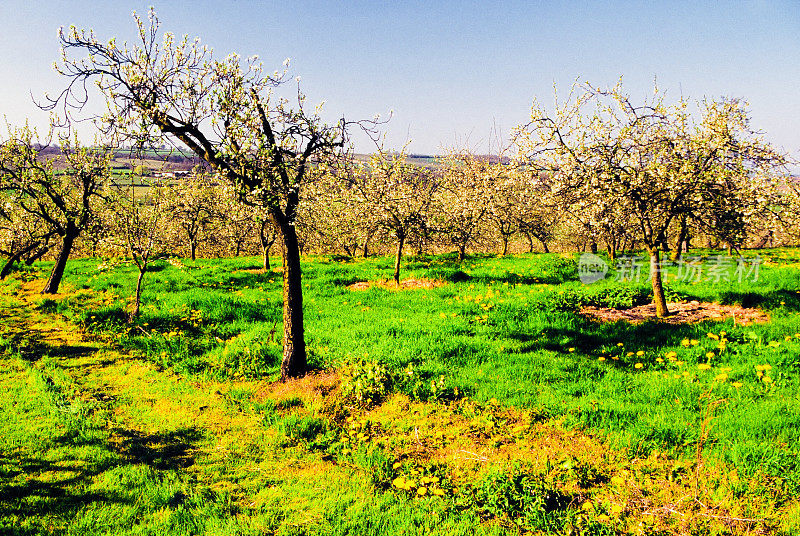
[
  {"x": 710, "y": 354},
  {"x": 422, "y": 491},
  {"x": 640, "y": 353},
  {"x": 721, "y": 377},
  {"x": 638, "y": 365},
  {"x": 703, "y": 366},
  {"x": 629, "y": 354},
  {"x": 736, "y": 384},
  {"x": 685, "y": 342},
  {"x": 601, "y": 358},
  {"x": 571, "y": 350},
  {"x": 672, "y": 355},
  {"x": 694, "y": 342},
  {"x": 659, "y": 360},
  {"x": 766, "y": 379}
]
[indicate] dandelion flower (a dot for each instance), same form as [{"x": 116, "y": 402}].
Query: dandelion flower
[
  {"x": 571, "y": 350},
  {"x": 601, "y": 358},
  {"x": 736, "y": 384},
  {"x": 703, "y": 366},
  {"x": 640, "y": 353},
  {"x": 710, "y": 354},
  {"x": 721, "y": 377},
  {"x": 638, "y": 365}
]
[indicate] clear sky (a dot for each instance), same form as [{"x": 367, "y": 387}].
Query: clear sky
[{"x": 452, "y": 72}]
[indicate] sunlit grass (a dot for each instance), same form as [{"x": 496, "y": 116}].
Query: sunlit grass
[{"x": 501, "y": 333}]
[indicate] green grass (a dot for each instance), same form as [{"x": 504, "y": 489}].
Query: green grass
[{"x": 502, "y": 330}]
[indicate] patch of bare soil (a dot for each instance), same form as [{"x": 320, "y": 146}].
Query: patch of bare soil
[
  {"x": 679, "y": 313},
  {"x": 312, "y": 387},
  {"x": 259, "y": 271},
  {"x": 405, "y": 284}
]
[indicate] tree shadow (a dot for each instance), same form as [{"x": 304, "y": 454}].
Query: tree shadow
[
  {"x": 38, "y": 490},
  {"x": 162, "y": 451},
  {"x": 590, "y": 337}
]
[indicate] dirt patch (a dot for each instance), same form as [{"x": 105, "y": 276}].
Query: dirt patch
[
  {"x": 405, "y": 284},
  {"x": 310, "y": 388},
  {"x": 259, "y": 271},
  {"x": 679, "y": 313}
]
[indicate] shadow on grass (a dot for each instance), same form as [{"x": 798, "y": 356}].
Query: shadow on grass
[
  {"x": 774, "y": 299},
  {"x": 590, "y": 337},
  {"x": 36, "y": 491},
  {"x": 162, "y": 451}
]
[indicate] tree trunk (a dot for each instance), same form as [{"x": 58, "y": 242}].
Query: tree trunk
[
  {"x": 658, "y": 288},
  {"x": 680, "y": 242},
  {"x": 593, "y": 247},
  {"x": 545, "y": 249},
  {"x": 530, "y": 242},
  {"x": 266, "y": 257},
  {"x": 505, "y": 245},
  {"x": 16, "y": 257},
  {"x": 294, "y": 363},
  {"x": 138, "y": 299},
  {"x": 36, "y": 256},
  {"x": 461, "y": 253},
  {"x": 366, "y": 245},
  {"x": 9, "y": 264},
  {"x": 400, "y": 240},
  {"x": 61, "y": 261},
  {"x": 611, "y": 248},
  {"x": 193, "y": 248}
]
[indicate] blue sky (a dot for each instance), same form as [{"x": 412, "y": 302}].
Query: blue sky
[{"x": 453, "y": 72}]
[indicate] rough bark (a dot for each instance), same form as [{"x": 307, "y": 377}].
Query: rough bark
[
  {"x": 658, "y": 288},
  {"x": 61, "y": 261},
  {"x": 461, "y": 253},
  {"x": 294, "y": 363}
]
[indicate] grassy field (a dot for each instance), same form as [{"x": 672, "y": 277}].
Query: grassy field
[{"x": 485, "y": 405}]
